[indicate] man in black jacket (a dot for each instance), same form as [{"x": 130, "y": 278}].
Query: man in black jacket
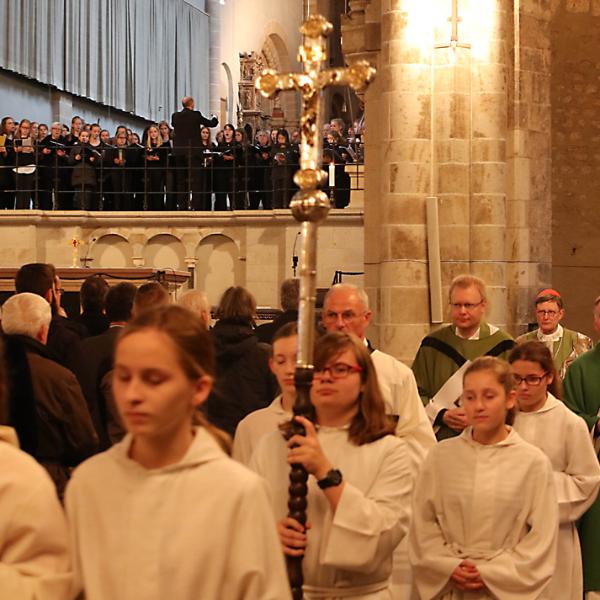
[{"x": 186, "y": 149}]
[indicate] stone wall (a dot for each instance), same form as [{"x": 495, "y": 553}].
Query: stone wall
[
  {"x": 576, "y": 158},
  {"x": 253, "y": 249}
]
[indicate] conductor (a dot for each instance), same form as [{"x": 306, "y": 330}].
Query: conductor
[{"x": 188, "y": 154}]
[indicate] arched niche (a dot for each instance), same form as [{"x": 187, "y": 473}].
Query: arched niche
[
  {"x": 164, "y": 251},
  {"x": 111, "y": 251},
  {"x": 227, "y": 94},
  {"x": 218, "y": 266}
]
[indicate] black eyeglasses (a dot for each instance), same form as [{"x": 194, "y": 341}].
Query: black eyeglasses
[
  {"x": 338, "y": 370},
  {"x": 531, "y": 380}
]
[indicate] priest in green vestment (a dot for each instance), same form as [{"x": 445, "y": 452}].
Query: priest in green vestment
[
  {"x": 444, "y": 354},
  {"x": 564, "y": 344},
  {"x": 582, "y": 396}
]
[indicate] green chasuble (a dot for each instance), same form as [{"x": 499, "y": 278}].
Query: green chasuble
[
  {"x": 582, "y": 396},
  {"x": 442, "y": 353},
  {"x": 564, "y": 351}
]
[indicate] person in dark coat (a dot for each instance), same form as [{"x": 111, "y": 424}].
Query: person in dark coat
[
  {"x": 188, "y": 154},
  {"x": 92, "y": 296},
  {"x": 289, "y": 298},
  {"x": 244, "y": 382},
  {"x": 99, "y": 353},
  {"x": 47, "y": 407}
]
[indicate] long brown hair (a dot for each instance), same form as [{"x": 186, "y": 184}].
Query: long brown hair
[
  {"x": 371, "y": 421},
  {"x": 537, "y": 352},
  {"x": 194, "y": 348},
  {"x": 501, "y": 371}
]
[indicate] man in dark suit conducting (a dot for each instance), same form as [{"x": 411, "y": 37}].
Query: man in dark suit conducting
[{"x": 186, "y": 149}]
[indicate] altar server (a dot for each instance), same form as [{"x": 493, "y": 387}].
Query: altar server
[
  {"x": 359, "y": 485},
  {"x": 485, "y": 519},
  {"x": 543, "y": 420},
  {"x": 166, "y": 513}
]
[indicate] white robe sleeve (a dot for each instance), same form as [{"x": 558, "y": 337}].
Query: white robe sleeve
[
  {"x": 430, "y": 556},
  {"x": 577, "y": 486},
  {"x": 522, "y": 572},
  {"x": 34, "y": 551},
  {"x": 242, "y": 444},
  {"x": 255, "y": 560},
  {"x": 367, "y": 527}
]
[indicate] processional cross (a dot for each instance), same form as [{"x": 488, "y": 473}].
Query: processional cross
[{"x": 309, "y": 206}]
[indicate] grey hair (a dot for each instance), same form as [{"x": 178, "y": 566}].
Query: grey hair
[
  {"x": 25, "y": 314},
  {"x": 194, "y": 300},
  {"x": 348, "y": 287}
]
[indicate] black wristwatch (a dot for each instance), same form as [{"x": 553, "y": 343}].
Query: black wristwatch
[{"x": 332, "y": 479}]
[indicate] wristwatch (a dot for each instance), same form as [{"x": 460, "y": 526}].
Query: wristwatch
[{"x": 332, "y": 479}]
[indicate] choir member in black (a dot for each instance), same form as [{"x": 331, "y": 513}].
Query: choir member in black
[
  {"x": 337, "y": 143},
  {"x": 52, "y": 165},
  {"x": 116, "y": 163},
  {"x": 260, "y": 173},
  {"x": 341, "y": 188},
  {"x": 188, "y": 156},
  {"x": 76, "y": 128},
  {"x": 285, "y": 164},
  {"x": 84, "y": 178},
  {"x": 225, "y": 169},
  {"x": 25, "y": 166},
  {"x": 171, "y": 173},
  {"x": 137, "y": 165},
  {"x": 105, "y": 137},
  {"x": 242, "y": 169},
  {"x": 42, "y": 131},
  {"x": 208, "y": 149},
  {"x": 7, "y": 162},
  {"x": 155, "y": 157},
  {"x": 34, "y": 131}
]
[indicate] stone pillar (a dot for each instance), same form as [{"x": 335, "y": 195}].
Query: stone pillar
[
  {"x": 450, "y": 117},
  {"x": 214, "y": 59}
]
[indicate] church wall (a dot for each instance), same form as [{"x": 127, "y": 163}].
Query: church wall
[
  {"x": 253, "y": 250},
  {"x": 576, "y": 159},
  {"x": 467, "y": 125}
]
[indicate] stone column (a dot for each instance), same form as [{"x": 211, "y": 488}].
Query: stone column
[{"x": 214, "y": 60}]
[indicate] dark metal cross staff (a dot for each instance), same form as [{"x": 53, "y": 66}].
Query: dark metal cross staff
[{"x": 309, "y": 206}]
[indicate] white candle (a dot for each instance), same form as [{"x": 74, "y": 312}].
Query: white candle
[{"x": 331, "y": 174}]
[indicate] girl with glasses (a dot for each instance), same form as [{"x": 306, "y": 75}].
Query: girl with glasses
[
  {"x": 484, "y": 509},
  {"x": 359, "y": 482},
  {"x": 165, "y": 513},
  {"x": 543, "y": 420}
]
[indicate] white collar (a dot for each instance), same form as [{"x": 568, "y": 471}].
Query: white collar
[{"x": 550, "y": 337}]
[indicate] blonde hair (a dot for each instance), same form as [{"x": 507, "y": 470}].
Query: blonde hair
[{"x": 466, "y": 281}]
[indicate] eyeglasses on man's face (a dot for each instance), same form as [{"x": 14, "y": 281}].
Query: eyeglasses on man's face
[
  {"x": 530, "y": 380},
  {"x": 546, "y": 313},
  {"x": 338, "y": 370}
]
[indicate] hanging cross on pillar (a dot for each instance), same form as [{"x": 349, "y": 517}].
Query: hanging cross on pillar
[
  {"x": 454, "y": 21},
  {"x": 310, "y": 206}
]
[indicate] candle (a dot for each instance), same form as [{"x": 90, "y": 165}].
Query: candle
[{"x": 331, "y": 174}]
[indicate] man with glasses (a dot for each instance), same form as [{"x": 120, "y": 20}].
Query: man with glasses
[
  {"x": 564, "y": 344},
  {"x": 346, "y": 308},
  {"x": 582, "y": 396},
  {"x": 444, "y": 354}
]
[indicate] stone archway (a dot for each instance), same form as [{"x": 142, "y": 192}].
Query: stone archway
[{"x": 111, "y": 251}]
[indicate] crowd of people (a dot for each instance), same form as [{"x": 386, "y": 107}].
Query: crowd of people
[
  {"x": 186, "y": 166},
  {"x": 473, "y": 475}
]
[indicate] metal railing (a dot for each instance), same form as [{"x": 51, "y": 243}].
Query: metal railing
[{"x": 63, "y": 177}]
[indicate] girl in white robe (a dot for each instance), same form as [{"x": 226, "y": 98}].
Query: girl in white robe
[
  {"x": 355, "y": 524},
  {"x": 546, "y": 422},
  {"x": 166, "y": 513},
  {"x": 485, "y": 517}
]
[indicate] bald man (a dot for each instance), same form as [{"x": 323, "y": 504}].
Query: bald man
[{"x": 187, "y": 124}]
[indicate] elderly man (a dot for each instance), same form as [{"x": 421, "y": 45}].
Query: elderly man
[
  {"x": 582, "y": 396},
  {"x": 445, "y": 353},
  {"x": 48, "y": 409},
  {"x": 564, "y": 344},
  {"x": 197, "y": 302},
  {"x": 346, "y": 308}
]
